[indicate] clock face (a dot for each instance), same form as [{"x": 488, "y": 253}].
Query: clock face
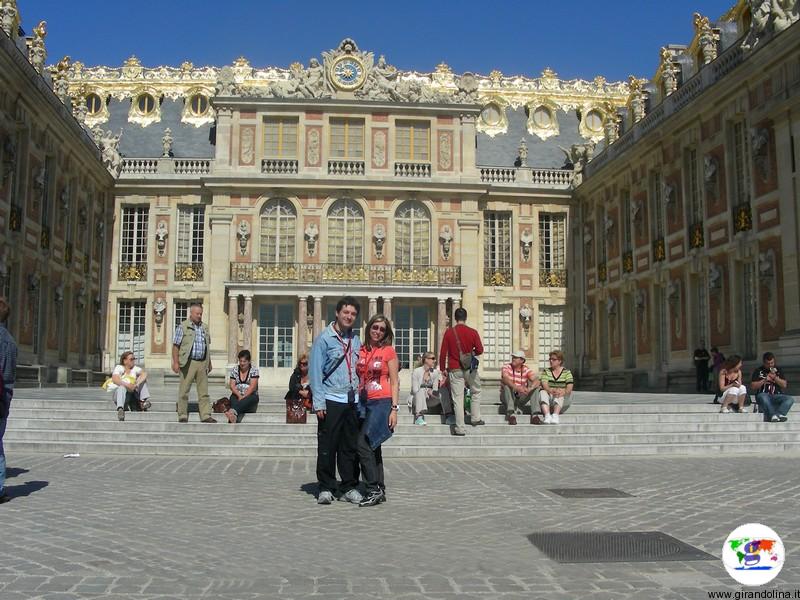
[{"x": 347, "y": 73}]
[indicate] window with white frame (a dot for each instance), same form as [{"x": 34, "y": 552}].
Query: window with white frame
[
  {"x": 130, "y": 328},
  {"x": 411, "y": 333},
  {"x": 551, "y": 332},
  {"x": 497, "y": 248},
  {"x": 497, "y": 320},
  {"x": 134, "y": 234},
  {"x": 191, "y": 231},
  {"x": 180, "y": 312},
  {"x": 693, "y": 186},
  {"x": 413, "y": 140},
  {"x": 552, "y": 241},
  {"x": 741, "y": 168},
  {"x": 412, "y": 234},
  {"x": 276, "y": 336},
  {"x": 278, "y": 231},
  {"x": 345, "y": 233},
  {"x": 347, "y": 138},
  {"x": 280, "y": 137}
]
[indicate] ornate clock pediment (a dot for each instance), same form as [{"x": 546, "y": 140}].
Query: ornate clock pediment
[{"x": 346, "y": 67}]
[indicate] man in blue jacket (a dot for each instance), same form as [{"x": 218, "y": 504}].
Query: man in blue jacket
[{"x": 334, "y": 388}]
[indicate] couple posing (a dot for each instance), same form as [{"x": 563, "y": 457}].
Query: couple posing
[{"x": 355, "y": 389}]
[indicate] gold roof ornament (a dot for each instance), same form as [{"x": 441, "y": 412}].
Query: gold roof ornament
[{"x": 443, "y": 68}]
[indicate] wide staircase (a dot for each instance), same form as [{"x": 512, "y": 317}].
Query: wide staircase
[{"x": 84, "y": 421}]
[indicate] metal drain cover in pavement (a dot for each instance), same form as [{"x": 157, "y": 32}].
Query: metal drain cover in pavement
[
  {"x": 590, "y": 493},
  {"x": 613, "y": 546}
]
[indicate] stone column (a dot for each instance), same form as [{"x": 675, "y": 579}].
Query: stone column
[
  {"x": 387, "y": 308},
  {"x": 302, "y": 327},
  {"x": 471, "y": 271},
  {"x": 373, "y": 306},
  {"x": 219, "y": 263},
  {"x": 248, "y": 321},
  {"x": 441, "y": 324},
  {"x": 233, "y": 326},
  {"x": 318, "y": 325}
]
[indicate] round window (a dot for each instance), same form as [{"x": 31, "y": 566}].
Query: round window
[
  {"x": 491, "y": 114},
  {"x": 198, "y": 105},
  {"x": 146, "y": 104},
  {"x": 542, "y": 117},
  {"x": 94, "y": 104},
  {"x": 594, "y": 120}
]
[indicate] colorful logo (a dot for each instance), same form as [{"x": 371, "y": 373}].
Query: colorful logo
[{"x": 753, "y": 554}]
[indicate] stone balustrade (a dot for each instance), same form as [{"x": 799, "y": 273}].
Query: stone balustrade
[
  {"x": 409, "y": 169},
  {"x": 279, "y": 166},
  {"x": 346, "y": 167}
]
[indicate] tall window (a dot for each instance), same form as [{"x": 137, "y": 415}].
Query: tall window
[
  {"x": 551, "y": 332},
  {"x": 413, "y": 140},
  {"x": 345, "y": 233},
  {"x": 134, "y": 234},
  {"x": 552, "y": 241},
  {"x": 130, "y": 329},
  {"x": 741, "y": 165},
  {"x": 749, "y": 300},
  {"x": 180, "y": 312},
  {"x": 280, "y": 137},
  {"x": 693, "y": 186},
  {"x": 276, "y": 336},
  {"x": 497, "y": 248},
  {"x": 191, "y": 229},
  {"x": 627, "y": 226},
  {"x": 496, "y": 334},
  {"x": 411, "y": 333},
  {"x": 412, "y": 235},
  {"x": 47, "y": 183},
  {"x": 278, "y": 231},
  {"x": 347, "y": 138},
  {"x": 657, "y": 202}
]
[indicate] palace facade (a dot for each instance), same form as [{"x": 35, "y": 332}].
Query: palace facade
[{"x": 623, "y": 222}]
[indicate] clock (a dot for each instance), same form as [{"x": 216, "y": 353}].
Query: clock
[{"x": 347, "y": 73}]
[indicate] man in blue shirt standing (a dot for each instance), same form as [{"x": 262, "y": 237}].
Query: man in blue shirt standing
[
  {"x": 8, "y": 374},
  {"x": 334, "y": 388}
]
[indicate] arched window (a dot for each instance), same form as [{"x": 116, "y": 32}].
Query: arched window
[
  {"x": 278, "y": 232},
  {"x": 412, "y": 235},
  {"x": 345, "y": 233}
]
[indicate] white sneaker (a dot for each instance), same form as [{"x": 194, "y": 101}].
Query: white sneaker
[
  {"x": 725, "y": 410},
  {"x": 325, "y": 498},
  {"x": 775, "y": 418},
  {"x": 554, "y": 420},
  {"x": 353, "y": 496},
  {"x": 548, "y": 420}
]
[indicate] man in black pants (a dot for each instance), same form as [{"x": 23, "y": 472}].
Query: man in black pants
[
  {"x": 701, "y": 358},
  {"x": 332, "y": 373}
]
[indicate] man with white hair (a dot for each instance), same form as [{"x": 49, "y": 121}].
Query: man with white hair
[
  {"x": 8, "y": 374},
  {"x": 518, "y": 385}
]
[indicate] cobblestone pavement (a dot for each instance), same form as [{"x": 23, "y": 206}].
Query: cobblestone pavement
[{"x": 137, "y": 528}]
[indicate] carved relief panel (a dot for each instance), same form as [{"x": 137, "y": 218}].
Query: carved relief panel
[
  {"x": 380, "y": 145},
  {"x": 247, "y": 145},
  {"x": 444, "y": 151},
  {"x": 313, "y": 145}
]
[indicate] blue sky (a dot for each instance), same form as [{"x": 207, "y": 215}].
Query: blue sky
[{"x": 576, "y": 38}]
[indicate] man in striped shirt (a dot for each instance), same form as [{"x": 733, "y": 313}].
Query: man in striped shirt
[
  {"x": 557, "y": 384},
  {"x": 518, "y": 385}
]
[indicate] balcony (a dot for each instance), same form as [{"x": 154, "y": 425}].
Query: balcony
[
  {"x": 346, "y": 167},
  {"x": 696, "y": 236},
  {"x": 279, "y": 166},
  {"x": 132, "y": 271},
  {"x": 553, "y": 278},
  {"x": 408, "y": 169},
  {"x": 498, "y": 276},
  {"x": 188, "y": 271},
  {"x": 742, "y": 218},
  {"x": 15, "y": 218},
  {"x": 549, "y": 178},
  {"x": 336, "y": 273}
]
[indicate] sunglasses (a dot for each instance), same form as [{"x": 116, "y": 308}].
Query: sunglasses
[
  {"x": 378, "y": 327},
  {"x": 304, "y": 364}
]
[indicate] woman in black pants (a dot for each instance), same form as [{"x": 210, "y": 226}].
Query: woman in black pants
[{"x": 244, "y": 388}]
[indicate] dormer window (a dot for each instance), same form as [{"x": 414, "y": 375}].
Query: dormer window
[
  {"x": 198, "y": 105},
  {"x": 94, "y": 104},
  {"x": 594, "y": 121}
]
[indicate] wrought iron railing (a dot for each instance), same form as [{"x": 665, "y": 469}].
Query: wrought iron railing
[
  {"x": 188, "y": 271},
  {"x": 553, "y": 278},
  {"x": 697, "y": 235},
  {"x": 132, "y": 271},
  {"x": 659, "y": 250},
  {"x": 327, "y": 273},
  {"x": 498, "y": 276},
  {"x": 627, "y": 262},
  {"x": 742, "y": 217}
]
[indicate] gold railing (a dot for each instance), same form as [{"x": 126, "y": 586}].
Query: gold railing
[
  {"x": 659, "y": 250},
  {"x": 44, "y": 238},
  {"x": 498, "y": 276},
  {"x": 627, "y": 262},
  {"x": 602, "y": 272},
  {"x": 696, "y": 235},
  {"x": 188, "y": 271},
  {"x": 132, "y": 271},
  {"x": 326, "y": 273},
  {"x": 742, "y": 218},
  {"x": 553, "y": 278}
]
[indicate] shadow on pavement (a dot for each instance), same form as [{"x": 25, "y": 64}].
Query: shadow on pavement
[
  {"x": 14, "y": 471},
  {"x": 26, "y": 489},
  {"x": 310, "y": 488}
]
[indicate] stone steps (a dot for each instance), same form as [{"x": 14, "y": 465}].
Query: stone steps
[{"x": 60, "y": 421}]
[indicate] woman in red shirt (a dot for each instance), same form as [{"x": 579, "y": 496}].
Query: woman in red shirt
[{"x": 379, "y": 391}]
